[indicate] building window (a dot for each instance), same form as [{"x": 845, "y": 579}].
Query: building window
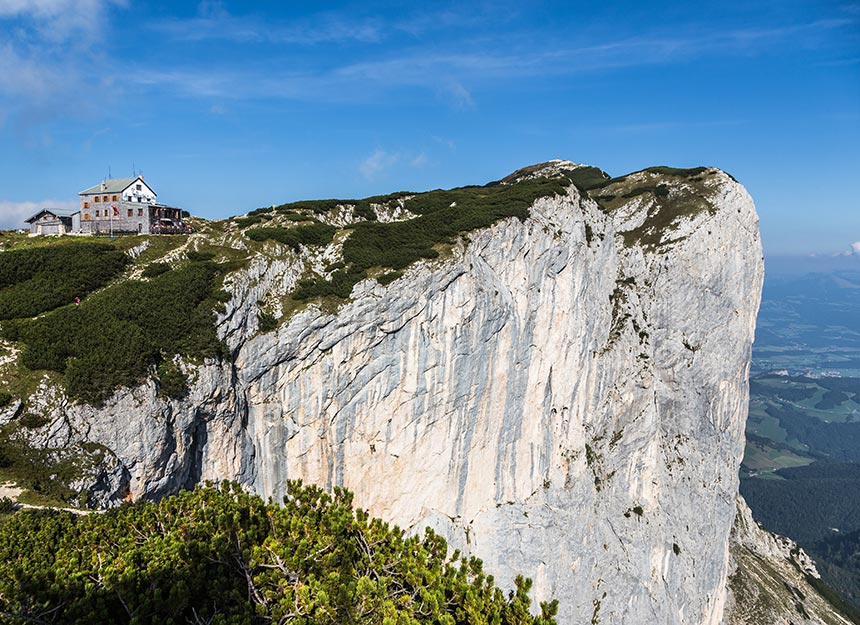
[
  {"x": 113, "y": 198},
  {"x": 140, "y": 212},
  {"x": 97, "y": 213},
  {"x": 86, "y": 216},
  {"x": 138, "y": 187},
  {"x": 130, "y": 212},
  {"x": 86, "y": 204}
]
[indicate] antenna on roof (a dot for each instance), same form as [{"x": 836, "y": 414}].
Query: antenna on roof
[
  {"x": 133, "y": 170},
  {"x": 109, "y": 176}
]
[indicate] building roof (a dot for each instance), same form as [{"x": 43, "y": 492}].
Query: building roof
[
  {"x": 56, "y": 212},
  {"x": 112, "y": 185}
]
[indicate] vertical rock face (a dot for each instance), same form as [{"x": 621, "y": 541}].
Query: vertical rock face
[
  {"x": 567, "y": 408},
  {"x": 562, "y": 396}
]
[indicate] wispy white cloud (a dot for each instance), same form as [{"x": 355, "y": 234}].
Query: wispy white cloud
[
  {"x": 48, "y": 52},
  {"x": 448, "y": 143},
  {"x": 36, "y": 69},
  {"x": 13, "y": 214},
  {"x": 377, "y": 163},
  {"x": 454, "y": 74},
  {"x": 28, "y": 76},
  {"x": 381, "y": 162},
  {"x": 445, "y": 75},
  {"x": 472, "y": 16},
  {"x": 95, "y": 137},
  {"x": 214, "y": 22},
  {"x": 459, "y": 96},
  {"x": 57, "y": 20},
  {"x": 190, "y": 82}
]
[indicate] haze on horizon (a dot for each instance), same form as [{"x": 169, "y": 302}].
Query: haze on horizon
[{"x": 228, "y": 106}]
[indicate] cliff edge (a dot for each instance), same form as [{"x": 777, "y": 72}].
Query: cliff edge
[{"x": 561, "y": 392}]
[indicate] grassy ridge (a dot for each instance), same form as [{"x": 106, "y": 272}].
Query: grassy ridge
[
  {"x": 442, "y": 216},
  {"x": 301, "y": 210},
  {"x": 311, "y": 234},
  {"x": 36, "y": 280},
  {"x": 44, "y": 474},
  {"x": 118, "y": 336},
  {"x": 113, "y": 338},
  {"x": 363, "y": 206}
]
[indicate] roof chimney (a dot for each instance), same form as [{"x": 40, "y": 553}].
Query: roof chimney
[{"x": 104, "y": 186}]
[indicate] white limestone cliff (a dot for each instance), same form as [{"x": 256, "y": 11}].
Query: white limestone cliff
[{"x": 563, "y": 396}]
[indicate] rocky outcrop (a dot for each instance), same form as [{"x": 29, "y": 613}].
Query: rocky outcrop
[
  {"x": 773, "y": 580},
  {"x": 563, "y": 396}
]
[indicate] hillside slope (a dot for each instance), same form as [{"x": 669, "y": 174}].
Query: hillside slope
[{"x": 550, "y": 371}]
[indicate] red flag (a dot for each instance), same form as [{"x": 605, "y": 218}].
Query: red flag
[{"x": 115, "y": 210}]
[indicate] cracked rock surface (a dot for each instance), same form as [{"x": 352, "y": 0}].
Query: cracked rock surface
[{"x": 554, "y": 396}]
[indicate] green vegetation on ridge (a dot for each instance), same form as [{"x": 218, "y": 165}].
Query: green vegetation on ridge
[
  {"x": 222, "y": 556},
  {"x": 132, "y": 329},
  {"x": 114, "y": 337},
  {"x": 44, "y": 475},
  {"x": 442, "y": 216},
  {"x": 38, "y": 279},
  {"x": 312, "y": 234},
  {"x": 666, "y": 208},
  {"x": 129, "y": 330}
]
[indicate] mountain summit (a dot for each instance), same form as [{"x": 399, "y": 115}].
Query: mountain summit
[{"x": 551, "y": 371}]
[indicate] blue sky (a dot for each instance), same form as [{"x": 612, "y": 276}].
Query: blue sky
[{"x": 228, "y": 106}]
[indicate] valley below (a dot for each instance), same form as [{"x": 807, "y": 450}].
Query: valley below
[{"x": 801, "y": 467}]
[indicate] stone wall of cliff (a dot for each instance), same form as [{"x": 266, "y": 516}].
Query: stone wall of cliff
[{"x": 563, "y": 396}]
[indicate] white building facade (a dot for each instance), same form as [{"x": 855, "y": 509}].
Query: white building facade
[{"x": 127, "y": 206}]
